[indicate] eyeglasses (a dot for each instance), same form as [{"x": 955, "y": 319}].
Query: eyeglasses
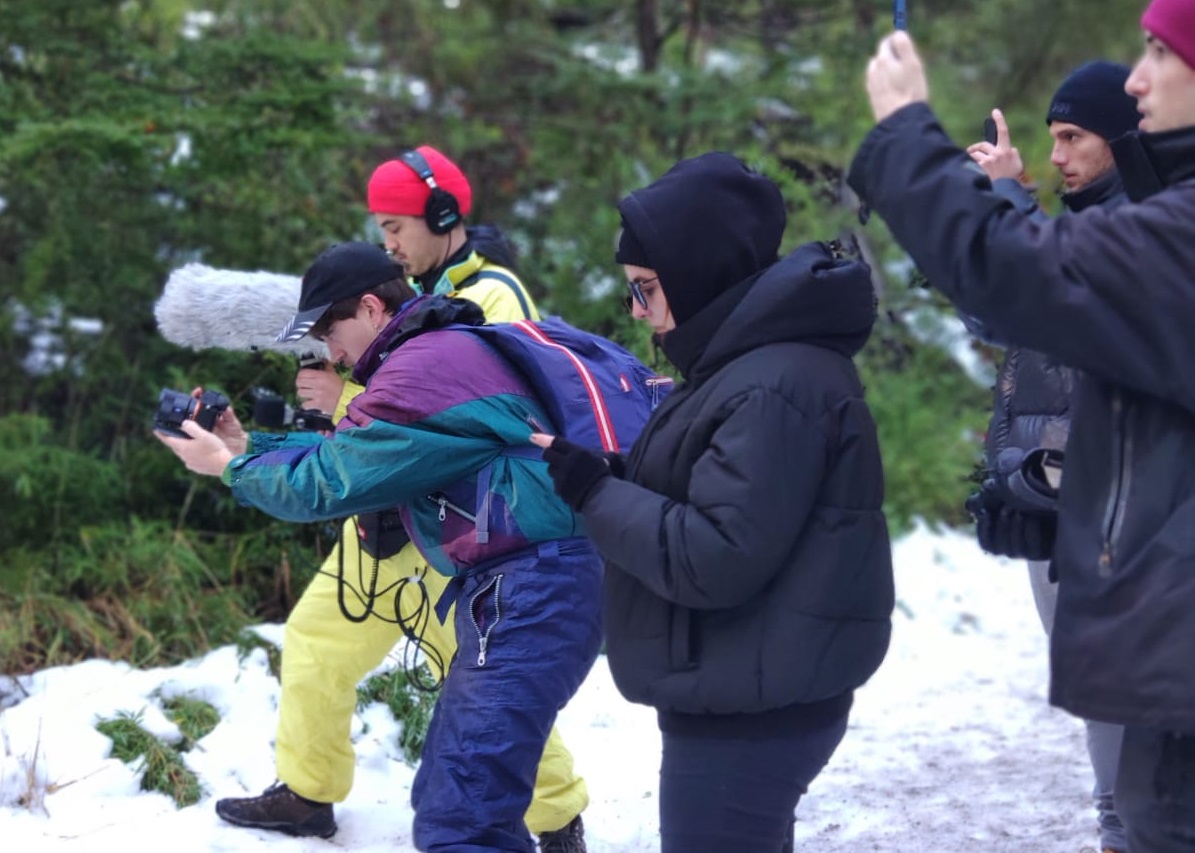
[{"x": 636, "y": 287}]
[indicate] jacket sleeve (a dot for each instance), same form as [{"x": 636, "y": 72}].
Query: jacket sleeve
[
  {"x": 1026, "y": 203},
  {"x": 1105, "y": 291},
  {"x": 750, "y": 496},
  {"x": 265, "y": 442},
  {"x": 1021, "y": 198},
  {"x": 363, "y": 468}
]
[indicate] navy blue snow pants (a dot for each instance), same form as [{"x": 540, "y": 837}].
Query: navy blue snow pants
[{"x": 528, "y": 630}]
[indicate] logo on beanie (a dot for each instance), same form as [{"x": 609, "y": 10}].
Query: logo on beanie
[{"x": 1093, "y": 97}]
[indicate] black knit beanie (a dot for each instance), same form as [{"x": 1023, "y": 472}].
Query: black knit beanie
[{"x": 1093, "y": 97}]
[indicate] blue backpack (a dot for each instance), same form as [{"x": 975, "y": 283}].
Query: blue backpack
[{"x": 597, "y": 394}]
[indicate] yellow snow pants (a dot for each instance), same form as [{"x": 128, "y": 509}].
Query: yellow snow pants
[{"x": 325, "y": 657}]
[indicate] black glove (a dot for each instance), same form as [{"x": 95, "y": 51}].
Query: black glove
[
  {"x": 1010, "y": 532},
  {"x": 576, "y": 470}
]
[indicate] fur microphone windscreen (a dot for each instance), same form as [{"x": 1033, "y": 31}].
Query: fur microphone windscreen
[{"x": 203, "y": 307}]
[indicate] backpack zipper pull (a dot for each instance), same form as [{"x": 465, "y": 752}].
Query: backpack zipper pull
[
  {"x": 443, "y": 502},
  {"x": 482, "y": 642}
]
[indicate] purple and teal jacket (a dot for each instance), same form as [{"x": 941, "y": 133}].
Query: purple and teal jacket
[{"x": 440, "y": 432}]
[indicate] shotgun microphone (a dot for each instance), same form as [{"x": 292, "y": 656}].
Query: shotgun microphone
[{"x": 202, "y": 307}]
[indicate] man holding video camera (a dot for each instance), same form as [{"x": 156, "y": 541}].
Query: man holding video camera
[
  {"x": 324, "y": 655},
  {"x": 424, "y": 439}
]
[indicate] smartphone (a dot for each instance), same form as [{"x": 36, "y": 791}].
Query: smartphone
[{"x": 989, "y": 130}]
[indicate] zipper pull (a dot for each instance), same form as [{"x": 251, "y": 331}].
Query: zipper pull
[
  {"x": 443, "y": 508},
  {"x": 482, "y": 642},
  {"x": 534, "y": 424}
]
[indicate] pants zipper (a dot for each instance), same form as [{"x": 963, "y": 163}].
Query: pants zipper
[{"x": 483, "y": 638}]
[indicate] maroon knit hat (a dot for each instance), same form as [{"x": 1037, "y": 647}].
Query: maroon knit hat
[
  {"x": 395, "y": 187},
  {"x": 1173, "y": 21}
]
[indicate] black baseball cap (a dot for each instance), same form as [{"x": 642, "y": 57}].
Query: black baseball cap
[{"x": 343, "y": 270}]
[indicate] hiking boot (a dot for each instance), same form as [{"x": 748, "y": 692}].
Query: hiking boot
[
  {"x": 282, "y": 810},
  {"x": 570, "y": 839}
]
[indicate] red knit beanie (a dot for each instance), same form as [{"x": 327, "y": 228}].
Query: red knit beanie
[
  {"x": 1173, "y": 21},
  {"x": 395, "y": 188}
]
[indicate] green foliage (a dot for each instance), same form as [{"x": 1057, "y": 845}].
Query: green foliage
[
  {"x": 409, "y": 704},
  {"x": 40, "y": 482},
  {"x": 194, "y": 718},
  {"x": 143, "y": 592},
  {"x": 161, "y": 766},
  {"x": 930, "y": 417},
  {"x": 247, "y": 641},
  {"x": 137, "y": 135}
]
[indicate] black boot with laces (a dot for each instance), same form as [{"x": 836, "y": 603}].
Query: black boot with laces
[
  {"x": 282, "y": 810},
  {"x": 570, "y": 839}
]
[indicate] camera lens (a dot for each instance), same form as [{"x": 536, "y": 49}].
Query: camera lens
[{"x": 174, "y": 407}]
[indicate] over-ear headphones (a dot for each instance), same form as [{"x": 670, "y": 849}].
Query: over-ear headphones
[{"x": 442, "y": 212}]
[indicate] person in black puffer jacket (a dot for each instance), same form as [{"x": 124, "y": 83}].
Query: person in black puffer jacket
[
  {"x": 1032, "y": 397},
  {"x": 748, "y": 587}
]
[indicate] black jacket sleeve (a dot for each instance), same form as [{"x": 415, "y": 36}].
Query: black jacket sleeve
[
  {"x": 1025, "y": 202},
  {"x": 1021, "y": 198},
  {"x": 750, "y": 495},
  {"x": 1106, "y": 291}
]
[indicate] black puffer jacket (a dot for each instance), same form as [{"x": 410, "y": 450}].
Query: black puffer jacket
[
  {"x": 749, "y": 565},
  {"x": 1111, "y": 293},
  {"x": 1032, "y": 398}
]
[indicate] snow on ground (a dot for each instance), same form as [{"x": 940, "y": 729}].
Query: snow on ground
[{"x": 951, "y": 747}]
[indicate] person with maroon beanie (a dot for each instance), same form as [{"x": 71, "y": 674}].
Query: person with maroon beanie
[
  {"x": 1031, "y": 400},
  {"x": 1124, "y": 553}
]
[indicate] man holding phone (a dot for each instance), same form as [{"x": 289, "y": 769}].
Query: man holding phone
[
  {"x": 1109, "y": 292},
  {"x": 1032, "y": 397}
]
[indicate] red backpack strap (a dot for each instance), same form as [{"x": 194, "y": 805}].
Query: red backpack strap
[{"x": 601, "y": 412}]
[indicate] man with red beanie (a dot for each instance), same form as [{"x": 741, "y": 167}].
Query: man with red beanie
[
  {"x": 422, "y": 219},
  {"x": 420, "y": 202},
  {"x": 1124, "y": 553}
]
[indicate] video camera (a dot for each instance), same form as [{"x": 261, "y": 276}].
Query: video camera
[
  {"x": 271, "y": 410},
  {"x": 203, "y": 307},
  {"x": 174, "y": 407}
]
